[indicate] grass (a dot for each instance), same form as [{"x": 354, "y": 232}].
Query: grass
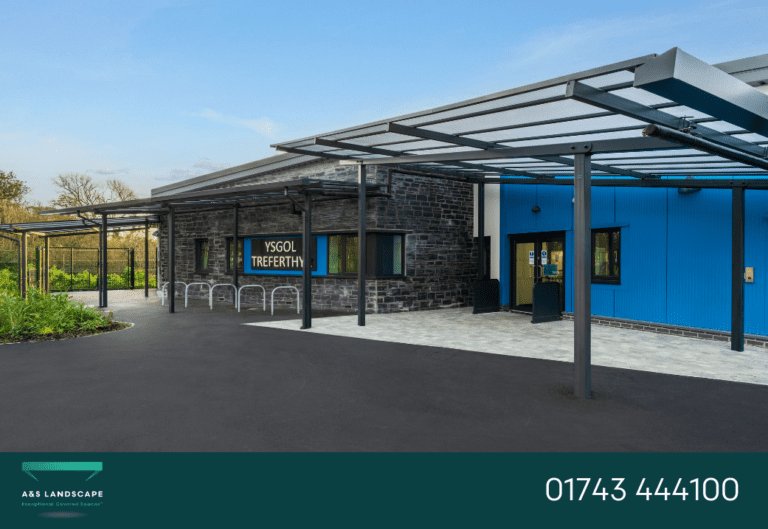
[{"x": 49, "y": 317}]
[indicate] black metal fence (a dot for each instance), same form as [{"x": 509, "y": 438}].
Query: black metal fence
[{"x": 74, "y": 269}]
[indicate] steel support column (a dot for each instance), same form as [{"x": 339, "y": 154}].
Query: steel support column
[
  {"x": 235, "y": 247},
  {"x": 146, "y": 258},
  {"x": 104, "y": 260},
  {"x": 361, "y": 245},
  {"x": 582, "y": 276},
  {"x": 737, "y": 271},
  {"x": 23, "y": 264},
  {"x": 171, "y": 262},
  {"x": 480, "y": 232},
  {"x": 47, "y": 267},
  {"x": 306, "y": 269}
]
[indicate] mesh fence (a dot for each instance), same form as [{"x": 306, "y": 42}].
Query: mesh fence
[{"x": 78, "y": 268}]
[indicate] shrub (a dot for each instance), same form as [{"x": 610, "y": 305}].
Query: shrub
[{"x": 42, "y": 313}]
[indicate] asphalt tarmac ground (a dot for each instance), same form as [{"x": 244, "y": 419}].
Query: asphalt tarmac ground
[{"x": 199, "y": 380}]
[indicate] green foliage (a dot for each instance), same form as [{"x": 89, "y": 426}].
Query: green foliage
[
  {"x": 11, "y": 188},
  {"x": 60, "y": 280},
  {"x": 42, "y": 313},
  {"x": 9, "y": 284}
]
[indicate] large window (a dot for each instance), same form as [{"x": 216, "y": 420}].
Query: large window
[
  {"x": 384, "y": 254},
  {"x": 606, "y": 256},
  {"x": 230, "y": 254},
  {"x": 201, "y": 256}
]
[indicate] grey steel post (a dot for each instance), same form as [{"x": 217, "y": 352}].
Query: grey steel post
[
  {"x": 306, "y": 272},
  {"x": 361, "y": 245},
  {"x": 98, "y": 265},
  {"x": 146, "y": 258},
  {"x": 480, "y": 232},
  {"x": 235, "y": 248},
  {"x": 582, "y": 276},
  {"x": 737, "y": 270},
  {"x": 37, "y": 267},
  {"x": 72, "y": 269},
  {"x": 23, "y": 264},
  {"x": 132, "y": 259},
  {"x": 171, "y": 263},
  {"x": 46, "y": 267},
  {"x": 104, "y": 257}
]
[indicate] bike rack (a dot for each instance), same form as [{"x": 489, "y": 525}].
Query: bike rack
[
  {"x": 246, "y": 286},
  {"x": 210, "y": 292},
  {"x": 186, "y": 290},
  {"x": 298, "y": 304},
  {"x": 162, "y": 292}
]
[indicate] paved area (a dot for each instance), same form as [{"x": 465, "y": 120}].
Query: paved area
[
  {"x": 513, "y": 334},
  {"x": 200, "y": 380}
]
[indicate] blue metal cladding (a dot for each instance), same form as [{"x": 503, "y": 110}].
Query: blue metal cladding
[{"x": 675, "y": 251}]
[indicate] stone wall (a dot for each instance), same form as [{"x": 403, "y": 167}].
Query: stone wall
[{"x": 439, "y": 247}]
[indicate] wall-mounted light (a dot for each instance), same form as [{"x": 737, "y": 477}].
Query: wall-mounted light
[{"x": 536, "y": 209}]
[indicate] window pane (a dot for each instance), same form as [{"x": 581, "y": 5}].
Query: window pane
[
  {"x": 615, "y": 236},
  {"x": 351, "y": 257},
  {"x": 601, "y": 254},
  {"x": 334, "y": 250},
  {"x": 202, "y": 255},
  {"x": 240, "y": 242},
  {"x": 397, "y": 267}
]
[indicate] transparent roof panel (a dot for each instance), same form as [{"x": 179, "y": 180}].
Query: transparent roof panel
[{"x": 541, "y": 115}]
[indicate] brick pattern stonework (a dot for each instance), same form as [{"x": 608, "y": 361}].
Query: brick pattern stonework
[{"x": 437, "y": 215}]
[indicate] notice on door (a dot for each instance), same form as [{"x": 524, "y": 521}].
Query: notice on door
[
  {"x": 531, "y": 257},
  {"x": 543, "y": 257}
]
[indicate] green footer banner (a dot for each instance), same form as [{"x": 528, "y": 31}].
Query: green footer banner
[{"x": 382, "y": 490}]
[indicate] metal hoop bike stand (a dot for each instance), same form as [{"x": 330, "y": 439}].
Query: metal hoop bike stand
[
  {"x": 264, "y": 296},
  {"x": 298, "y": 305}
]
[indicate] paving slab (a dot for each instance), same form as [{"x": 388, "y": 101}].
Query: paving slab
[{"x": 513, "y": 334}]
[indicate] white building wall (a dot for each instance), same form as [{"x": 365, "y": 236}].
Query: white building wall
[{"x": 492, "y": 223}]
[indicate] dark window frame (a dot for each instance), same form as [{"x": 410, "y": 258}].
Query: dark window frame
[
  {"x": 371, "y": 256},
  {"x": 227, "y": 264},
  {"x": 198, "y": 249},
  {"x": 614, "y": 257}
]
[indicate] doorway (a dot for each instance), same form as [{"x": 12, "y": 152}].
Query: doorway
[{"x": 536, "y": 258}]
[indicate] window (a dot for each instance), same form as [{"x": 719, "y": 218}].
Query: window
[
  {"x": 606, "y": 256},
  {"x": 201, "y": 256},
  {"x": 230, "y": 251},
  {"x": 385, "y": 255}
]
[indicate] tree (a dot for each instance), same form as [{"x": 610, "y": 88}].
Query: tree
[
  {"x": 119, "y": 191},
  {"x": 77, "y": 189},
  {"x": 12, "y": 189}
]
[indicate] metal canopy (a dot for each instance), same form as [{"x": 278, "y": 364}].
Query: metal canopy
[
  {"x": 76, "y": 226},
  {"x": 527, "y": 131},
  {"x": 274, "y": 193}
]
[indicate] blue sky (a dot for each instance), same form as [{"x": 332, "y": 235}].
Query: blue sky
[{"x": 158, "y": 91}]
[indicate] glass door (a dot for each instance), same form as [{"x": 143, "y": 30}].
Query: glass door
[{"x": 537, "y": 257}]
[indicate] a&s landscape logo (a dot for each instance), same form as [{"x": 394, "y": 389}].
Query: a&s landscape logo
[{"x": 65, "y": 497}]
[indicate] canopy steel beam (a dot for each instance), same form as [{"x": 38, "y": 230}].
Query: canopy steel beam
[
  {"x": 532, "y": 151},
  {"x": 387, "y": 152},
  {"x": 682, "y": 77},
  {"x": 469, "y": 142},
  {"x": 704, "y": 144},
  {"x": 662, "y": 183},
  {"x": 596, "y": 97}
]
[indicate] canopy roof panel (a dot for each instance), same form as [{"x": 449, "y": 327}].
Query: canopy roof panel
[
  {"x": 589, "y": 107},
  {"x": 274, "y": 193},
  {"x": 76, "y": 225}
]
